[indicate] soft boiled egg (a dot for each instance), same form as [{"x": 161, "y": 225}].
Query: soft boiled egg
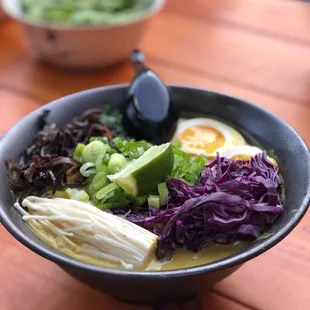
[
  {"x": 241, "y": 152},
  {"x": 206, "y": 136},
  {"x": 244, "y": 152}
]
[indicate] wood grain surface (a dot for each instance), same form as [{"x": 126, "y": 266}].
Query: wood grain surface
[{"x": 258, "y": 50}]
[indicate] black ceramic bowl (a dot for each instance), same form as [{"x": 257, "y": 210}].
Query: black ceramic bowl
[{"x": 265, "y": 128}]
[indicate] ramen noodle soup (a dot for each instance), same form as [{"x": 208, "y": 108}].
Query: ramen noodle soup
[{"x": 101, "y": 197}]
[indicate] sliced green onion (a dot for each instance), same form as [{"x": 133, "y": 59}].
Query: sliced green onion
[
  {"x": 141, "y": 200},
  {"x": 105, "y": 191},
  {"x": 119, "y": 142},
  {"x": 91, "y": 191},
  {"x": 105, "y": 206},
  {"x": 116, "y": 162},
  {"x": 154, "y": 201},
  {"x": 105, "y": 140},
  {"x": 92, "y": 150},
  {"x": 95, "y": 201},
  {"x": 67, "y": 194},
  {"x": 86, "y": 171},
  {"x": 82, "y": 196},
  {"x": 78, "y": 152},
  {"x": 100, "y": 165},
  {"x": 99, "y": 180},
  {"x": 163, "y": 192}
]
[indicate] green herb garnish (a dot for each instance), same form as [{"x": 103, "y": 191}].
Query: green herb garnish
[
  {"x": 186, "y": 167},
  {"x": 84, "y": 12}
]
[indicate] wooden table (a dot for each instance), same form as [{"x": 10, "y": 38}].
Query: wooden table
[{"x": 255, "y": 49}]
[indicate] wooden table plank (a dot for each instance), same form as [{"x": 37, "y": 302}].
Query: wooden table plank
[
  {"x": 264, "y": 65},
  {"x": 13, "y": 108},
  {"x": 269, "y": 18},
  {"x": 271, "y": 70}
]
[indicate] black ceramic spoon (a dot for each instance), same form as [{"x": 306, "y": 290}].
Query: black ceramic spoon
[{"x": 149, "y": 112}]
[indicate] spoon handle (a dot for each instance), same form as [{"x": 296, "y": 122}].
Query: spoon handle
[{"x": 137, "y": 59}]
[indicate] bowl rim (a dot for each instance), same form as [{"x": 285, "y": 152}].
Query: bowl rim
[
  {"x": 228, "y": 262},
  {"x": 154, "y": 9}
]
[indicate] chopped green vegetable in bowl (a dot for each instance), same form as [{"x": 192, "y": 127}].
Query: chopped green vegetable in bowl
[
  {"x": 84, "y": 12},
  {"x": 83, "y": 34}
]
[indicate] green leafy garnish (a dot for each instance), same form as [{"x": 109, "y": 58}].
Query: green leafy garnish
[
  {"x": 113, "y": 117},
  {"x": 131, "y": 149},
  {"x": 81, "y": 12},
  {"x": 112, "y": 196},
  {"x": 186, "y": 167}
]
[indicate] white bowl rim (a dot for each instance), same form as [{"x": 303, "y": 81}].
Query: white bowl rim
[{"x": 155, "y": 8}]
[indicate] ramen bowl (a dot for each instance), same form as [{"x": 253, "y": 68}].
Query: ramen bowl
[{"x": 170, "y": 285}]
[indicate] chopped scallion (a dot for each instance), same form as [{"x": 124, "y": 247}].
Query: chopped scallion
[{"x": 99, "y": 180}]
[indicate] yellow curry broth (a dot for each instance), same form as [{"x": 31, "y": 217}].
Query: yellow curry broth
[{"x": 185, "y": 259}]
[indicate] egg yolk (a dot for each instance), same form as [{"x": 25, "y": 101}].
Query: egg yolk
[
  {"x": 241, "y": 157},
  {"x": 203, "y": 137}
]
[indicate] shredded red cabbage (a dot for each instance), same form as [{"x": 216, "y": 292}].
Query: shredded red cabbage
[{"x": 235, "y": 200}]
